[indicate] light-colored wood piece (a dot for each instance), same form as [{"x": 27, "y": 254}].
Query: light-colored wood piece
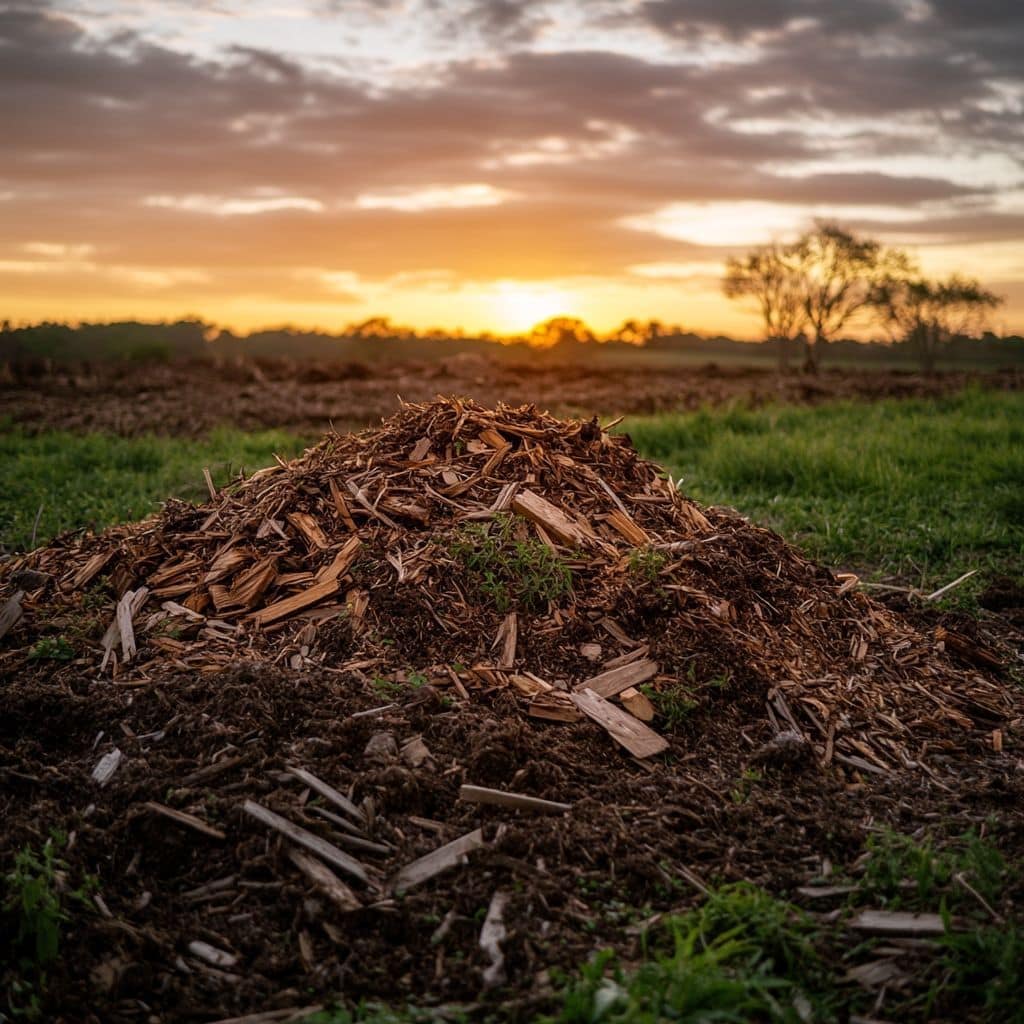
[
  {"x": 506, "y": 640},
  {"x": 309, "y": 528},
  {"x": 290, "y": 605},
  {"x": 640, "y": 740},
  {"x": 517, "y": 801},
  {"x": 626, "y": 526},
  {"x": 897, "y": 922},
  {"x": 329, "y": 793},
  {"x": 325, "y": 880},
  {"x": 211, "y": 954},
  {"x": 324, "y": 850},
  {"x": 437, "y": 861},
  {"x": 11, "y": 612},
  {"x": 188, "y": 820},
  {"x": 637, "y": 704},
  {"x": 341, "y": 562},
  {"x": 553, "y": 520},
  {"x": 614, "y": 681}
]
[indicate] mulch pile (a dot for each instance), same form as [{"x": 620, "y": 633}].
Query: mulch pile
[
  {"x": 278, "y": 724},
  {"x": 386, "y": 552}
]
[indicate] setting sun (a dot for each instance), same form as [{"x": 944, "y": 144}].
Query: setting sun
[{"x": 518, "y": 306}]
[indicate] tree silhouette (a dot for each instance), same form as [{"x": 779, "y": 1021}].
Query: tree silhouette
[
  {"x": 838, "y": 273},
  {"x": 929, "y": 314},
  {"x": 769, "y": 275},
  {"x": 561, "y": 330}
]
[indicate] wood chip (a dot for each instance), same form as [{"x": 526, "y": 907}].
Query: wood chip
[
  {"x": 341, "y": 562},
  {"x": 637, "y": 704},
  {"x": 324, "y": 850},
  {"x": 11, "y": 612},
  {"x": 212, "y": 955},
  {"x": 188, "y": 820},
  {"x": 554, "y": 521},
  {"x": 614, "y": 681},
  {"x": 290, "y": 605},
  {"x": 625, "y": 525},
  {"x": 640, "y": 740},
  {"x": 329, "y": 793},
  {"x": 106, "y": 766},
  {"x": 309, "y": 528},
  {"x": 897, "y": 922},
  {"x": 517, "y": 801},
  {"x": 437, "y": 861},
  {"x": 326, "y": 881},
  {"x": 507, "y": 638}
]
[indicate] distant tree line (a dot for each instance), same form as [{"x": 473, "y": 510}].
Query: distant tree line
[{"x": 829, "y": 278}]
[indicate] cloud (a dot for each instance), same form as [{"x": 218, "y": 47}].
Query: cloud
[
  {"x": 434, "y": 197},
  {"x": 516, "y": 158},
  {"x": 237, "y": 206}
]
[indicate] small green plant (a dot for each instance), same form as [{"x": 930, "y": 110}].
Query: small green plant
[
  {"x": 740, "y": 793},
  {"x": 510, "y": 571},
  {"x": 417, "y": 680},
  {"x": 52, "y": 648},
  {"x": 36, "y": 905},
  {"x": 674, "y": 704},
  {"x": 647, "y": 563}
]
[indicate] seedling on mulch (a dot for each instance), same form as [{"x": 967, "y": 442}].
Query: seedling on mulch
[
  {"x": 508, "y": 570},
  {"x": 51, "y": 648},
  {"x": 646, "y": 563},
  {"x": 36, "y": 905}
]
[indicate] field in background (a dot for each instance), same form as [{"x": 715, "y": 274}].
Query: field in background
[{"x": 920, "y": 490}]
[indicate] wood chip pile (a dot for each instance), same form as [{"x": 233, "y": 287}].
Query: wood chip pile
[{"x": 477, "y": 549}]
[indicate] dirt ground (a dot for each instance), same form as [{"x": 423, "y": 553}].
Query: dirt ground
[
  {"x": 575, "y": 882},
  {"x": 201, "y": 912},
  {"x": 191, "y": 399}
]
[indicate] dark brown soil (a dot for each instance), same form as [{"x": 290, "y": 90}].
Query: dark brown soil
[
  {"x": 191, "y": 399},
  {"x": 577, "y": 882}
]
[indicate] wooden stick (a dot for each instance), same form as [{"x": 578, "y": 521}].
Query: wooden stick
[
  {"x": 437, "y": 861},
  {"x": 935, "y": 595},
  {"x": 188, "y": 820},
  {"x": 328, "y": 793},
  {"x": 519, "y": 801},
  {"x": 325, "y": 880},
  {"x": 323, "y": 849}
]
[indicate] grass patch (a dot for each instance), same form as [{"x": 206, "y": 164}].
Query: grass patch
[
  {"x": 742, "y": 956},
  {"x": 918, "y": 489},
  {"x": 903, "y": 872},
  {"x": 509, "y": 568},
  {"x": 97, "y": 479}
]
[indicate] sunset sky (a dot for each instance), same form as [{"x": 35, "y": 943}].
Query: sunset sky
[{"x": 489, "y": 163}]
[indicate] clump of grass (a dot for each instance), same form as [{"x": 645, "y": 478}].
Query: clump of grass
[
  {"x": 985, "y": 968},
  {"x": 743, "y": 955},
  {"x": 901, "y": 871},
  {"x": 647, "y": 563},
  {"x": 510, "y": 571},
  {"x": 51, "y": 648}
]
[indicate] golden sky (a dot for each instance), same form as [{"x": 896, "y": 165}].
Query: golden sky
[{"x": 490, "y": 163}]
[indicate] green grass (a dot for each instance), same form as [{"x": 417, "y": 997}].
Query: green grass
[
  {"x": 922, "y": 490},
  {"x": 96, "y": 480}
]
